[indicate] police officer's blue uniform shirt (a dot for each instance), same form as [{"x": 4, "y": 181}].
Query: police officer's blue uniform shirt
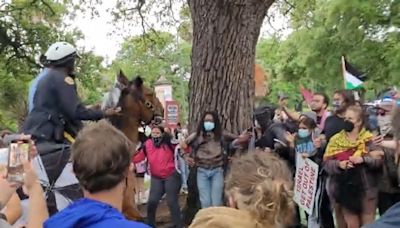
[
  {"x": 32, "y": 88},
  {"x": 55, "y": 95}
]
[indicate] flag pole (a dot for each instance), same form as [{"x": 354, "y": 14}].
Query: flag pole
[{"x": 344, "y": 71}]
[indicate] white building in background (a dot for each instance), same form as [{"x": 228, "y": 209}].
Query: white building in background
[{"x": 163, "y": 89}]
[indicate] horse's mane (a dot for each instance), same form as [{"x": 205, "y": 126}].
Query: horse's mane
[{"x": 138, "y": 82}]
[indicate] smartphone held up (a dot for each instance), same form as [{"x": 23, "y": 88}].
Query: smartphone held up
[{"x": 18, "y": 152}]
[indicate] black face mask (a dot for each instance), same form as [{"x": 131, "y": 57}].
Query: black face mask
[
  {"x": 157, "y": 141},
  {"x": 348, "y": 126}
]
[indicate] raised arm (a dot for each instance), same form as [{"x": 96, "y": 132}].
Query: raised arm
[
  {"x": 69, "y": 102},
  {"x": 37, "y": 213},
  {"x": 139, "y": 156},
  {"x": 291, "y": 114}
]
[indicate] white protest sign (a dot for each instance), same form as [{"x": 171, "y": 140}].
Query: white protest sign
[{"x": 305, "y": 184}]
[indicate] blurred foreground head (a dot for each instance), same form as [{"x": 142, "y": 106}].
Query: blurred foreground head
[
  {"x": 261, "y": 183},
  {"x": 259, "y": 191},
  {"x": 101, "y": 157}
]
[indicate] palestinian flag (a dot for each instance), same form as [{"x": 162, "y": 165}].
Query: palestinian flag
[{"x": 353, "y": 79}]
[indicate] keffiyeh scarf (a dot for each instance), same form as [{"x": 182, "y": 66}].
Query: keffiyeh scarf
[{"x": 341, "y": 148}]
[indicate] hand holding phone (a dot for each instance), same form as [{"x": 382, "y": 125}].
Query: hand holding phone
[{"x": 18, "y": 152}]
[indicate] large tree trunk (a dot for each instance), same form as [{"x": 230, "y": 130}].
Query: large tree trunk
[{"x": 225, "y": 34}]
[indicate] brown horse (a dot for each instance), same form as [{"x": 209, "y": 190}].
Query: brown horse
[{"x": 138, "y": 104}]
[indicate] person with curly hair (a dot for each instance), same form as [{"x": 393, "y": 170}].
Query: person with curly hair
[{"x": 259, "y": 192}]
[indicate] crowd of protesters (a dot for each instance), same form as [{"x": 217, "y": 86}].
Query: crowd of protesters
[{"x": 235, "y": 181}]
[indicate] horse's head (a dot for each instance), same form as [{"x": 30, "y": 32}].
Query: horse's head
[{"x": 137, "y": 100}]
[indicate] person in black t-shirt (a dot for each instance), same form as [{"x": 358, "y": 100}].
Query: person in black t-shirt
[{"x": 333, "y": 125}]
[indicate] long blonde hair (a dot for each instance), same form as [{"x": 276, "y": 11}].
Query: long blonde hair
[{"x": 261, "y": 183}]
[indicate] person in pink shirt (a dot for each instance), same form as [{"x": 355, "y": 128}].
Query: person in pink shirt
[{"x": 164, "y": 178}]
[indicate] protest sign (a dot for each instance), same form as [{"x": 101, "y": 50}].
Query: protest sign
[
  {"x": 305, "y": 184},
  {"x": 172, "y": 113}
]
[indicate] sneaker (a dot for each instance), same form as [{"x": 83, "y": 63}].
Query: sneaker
[{"x": 184, "y": 190}]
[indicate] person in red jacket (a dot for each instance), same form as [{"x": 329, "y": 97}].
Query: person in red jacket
[{"x": 164, "y": 178}]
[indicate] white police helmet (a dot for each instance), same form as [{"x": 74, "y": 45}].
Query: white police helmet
[{"x": 59, "y": 50}]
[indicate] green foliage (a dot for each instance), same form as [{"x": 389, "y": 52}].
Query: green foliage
[
  {"x": 152, "y": 55},
  {"x": 366, "y": 32},
  {"x": 91, "y": 78},
  {"x": 27, "y": 29},
  {"x": 287, "y": 88},
  {"x": 185, "y": 28}
]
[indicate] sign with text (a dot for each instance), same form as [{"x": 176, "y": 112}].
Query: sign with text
[
  {"x": 172, "y": 113},
  {"x": 305, "y": 183}
]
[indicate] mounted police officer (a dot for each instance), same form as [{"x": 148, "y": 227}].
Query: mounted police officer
[
  {"x": 55, "y": 111},
  {"x": 55, "y": 116}
]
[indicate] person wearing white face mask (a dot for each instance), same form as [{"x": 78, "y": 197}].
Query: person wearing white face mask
[
  {"x": 395, "y": 127},
  {"x": 389, "y": 190},
  {"x": 391, "y": 219}
]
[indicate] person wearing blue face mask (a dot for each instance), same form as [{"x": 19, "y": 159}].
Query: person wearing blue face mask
[
  {"x": 309, "y": 143},
  {"x": 308, "y": 139},
  {"x": 207, "y": 156}
]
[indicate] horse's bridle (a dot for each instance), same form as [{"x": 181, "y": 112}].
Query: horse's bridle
[{"x": 156, "y": 117}]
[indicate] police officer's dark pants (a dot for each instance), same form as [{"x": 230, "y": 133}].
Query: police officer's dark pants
[{"x": 171, "y": 186}]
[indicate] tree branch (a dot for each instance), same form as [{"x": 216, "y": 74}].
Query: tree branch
[
  {"x": 139, "y": 9},
  {"x": 49, "y": 7},
  {"x": 13, "y": 8},
  {"x": 172, "y": 12},
  {"x": 291, "y": 6},
  {"x": 16, "y": 46}
]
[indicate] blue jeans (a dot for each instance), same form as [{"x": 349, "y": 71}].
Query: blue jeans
[
  {"x": 184, "y": 168},
  {"x": 211, "y": 184}
]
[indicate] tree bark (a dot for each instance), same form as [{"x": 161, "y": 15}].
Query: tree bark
[{"x": 225, "y": 34}]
